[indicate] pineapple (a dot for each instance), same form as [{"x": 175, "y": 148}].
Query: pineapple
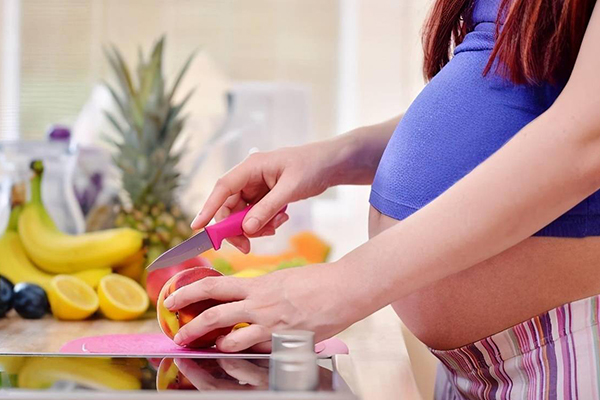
[{"x": 147, "y": 125}]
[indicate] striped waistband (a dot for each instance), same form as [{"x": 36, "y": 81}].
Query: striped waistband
[{"x": 524, "y": 338}]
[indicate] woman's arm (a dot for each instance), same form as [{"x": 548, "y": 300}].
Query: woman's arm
[
  {"x": 364, "y": 147},
  {"x": 547, "y": 168},
  {"x": 273, "y": 179}
]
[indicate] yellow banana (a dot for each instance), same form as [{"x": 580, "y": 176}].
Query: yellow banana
[
  {"x": 15, "y": 265},
  {"x": 40, "y": 373},
  {"x": 17, "y": 268},
  {"x": 57, "y": 252}
]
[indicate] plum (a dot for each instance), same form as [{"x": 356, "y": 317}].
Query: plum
[
  {"x": 6, "y": 296},
  {"x": 30, "y": 301}
]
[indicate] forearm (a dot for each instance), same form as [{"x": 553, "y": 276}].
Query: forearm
[
  {"x": 549, "y": 167},
  {"x": 359, "y": 151}
]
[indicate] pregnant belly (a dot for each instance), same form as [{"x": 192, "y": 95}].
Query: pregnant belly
[{"x": 534, "y": 276}]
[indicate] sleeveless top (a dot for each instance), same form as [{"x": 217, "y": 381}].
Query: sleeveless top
[{"x": 458, "y": 120}]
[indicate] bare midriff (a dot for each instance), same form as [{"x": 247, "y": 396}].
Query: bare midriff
[{"x": 526, "y": 280}]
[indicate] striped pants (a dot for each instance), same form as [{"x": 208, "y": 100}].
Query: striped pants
[{"x": 555, "y": 355}]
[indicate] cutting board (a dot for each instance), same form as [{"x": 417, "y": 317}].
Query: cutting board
[{"x": 159, "y": 345}]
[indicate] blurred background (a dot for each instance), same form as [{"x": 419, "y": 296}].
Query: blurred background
[
  {"x": 267, "y": 73},
  {"x": 314, "y": 68}
]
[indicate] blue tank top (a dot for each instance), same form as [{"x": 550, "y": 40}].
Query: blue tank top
[{"x": 458, "y": 120}]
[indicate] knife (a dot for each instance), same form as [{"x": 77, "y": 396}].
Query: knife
[{"x": 210, "y": 238}]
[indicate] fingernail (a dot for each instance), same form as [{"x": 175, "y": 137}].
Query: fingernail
[
  {"x": 169, "y": 302},
  {"x": 279, "y": 219},
  {"x": 251, "y": 225},
  {"x": 195, "y": 221},
  {"x": 177, "y": 339}
]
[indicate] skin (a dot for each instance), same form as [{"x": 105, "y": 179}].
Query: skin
[{"x": 461, "y": 268}]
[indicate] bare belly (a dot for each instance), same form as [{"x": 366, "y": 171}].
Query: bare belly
[{"x": 534, "y": 276}]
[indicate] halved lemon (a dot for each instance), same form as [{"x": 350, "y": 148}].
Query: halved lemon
[
  {"x": 122, "y": 298},
  {"x": 71, "y": 298}
]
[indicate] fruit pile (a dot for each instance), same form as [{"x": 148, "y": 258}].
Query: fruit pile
[
  {"x": 70, "y": 275},
  {"x": 305, "y": 248}
]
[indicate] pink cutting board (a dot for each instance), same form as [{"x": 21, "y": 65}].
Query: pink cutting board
[{"x": 157, "y": 344}]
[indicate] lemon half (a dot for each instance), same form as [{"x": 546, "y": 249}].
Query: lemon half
[
  {"x": 71, "y": 298},
  {"x": 122, "y": 298}
]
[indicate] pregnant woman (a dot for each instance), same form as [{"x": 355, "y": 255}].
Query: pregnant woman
[{"x": 485, "y": 210}]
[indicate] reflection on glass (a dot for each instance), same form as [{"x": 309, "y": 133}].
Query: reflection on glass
[{"x": 106, "y": 373}]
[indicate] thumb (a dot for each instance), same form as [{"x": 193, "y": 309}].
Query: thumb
[{"x": 267, "y": 208}]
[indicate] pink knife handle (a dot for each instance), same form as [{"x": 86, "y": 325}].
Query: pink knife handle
[{"x": 229, "y": 227}]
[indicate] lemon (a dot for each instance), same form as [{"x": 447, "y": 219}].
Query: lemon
[
  {"x": 121, "y": 298},
  {"x": 71, "y": 298},
  {"x": 92, "y": 276},
  {"x": 250, "y": 273}
]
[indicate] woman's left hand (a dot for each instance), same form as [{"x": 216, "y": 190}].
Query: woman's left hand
[{"x": 317, "y": 298}]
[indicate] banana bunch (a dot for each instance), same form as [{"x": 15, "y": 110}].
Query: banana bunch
[
  {"x": 57, "y": 252},
  {"x": 17, "y": 268}
]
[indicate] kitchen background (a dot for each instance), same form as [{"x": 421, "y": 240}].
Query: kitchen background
[
  {"x": 355, "y": 62},
  {"x": 268, "y": 73}
]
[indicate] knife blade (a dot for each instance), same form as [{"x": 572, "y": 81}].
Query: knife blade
[
  {"x": 211, "y": 237},
  {"x": 185, "y": 250}
]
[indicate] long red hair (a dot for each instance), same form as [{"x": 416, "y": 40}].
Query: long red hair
[{"x": 537, "y": 43}]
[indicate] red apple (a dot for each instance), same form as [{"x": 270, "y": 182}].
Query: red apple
[
  {"x": 156, "y": 279},
  {"x": 171, "y": 322}
]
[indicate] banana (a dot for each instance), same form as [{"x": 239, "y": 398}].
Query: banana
[
  {"x": 17, "y": 268},
  {"x": 57, "y": 252}
]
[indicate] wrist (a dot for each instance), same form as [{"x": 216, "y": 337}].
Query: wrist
[
  {"x": 349, "y": 160},
  {"x": 349, "y": 286}
]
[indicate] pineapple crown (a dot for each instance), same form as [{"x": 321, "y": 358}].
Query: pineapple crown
[{"x": 147, "y": 126}]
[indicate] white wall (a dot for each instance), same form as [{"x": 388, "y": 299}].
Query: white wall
[{"x": 379, "y": 75}]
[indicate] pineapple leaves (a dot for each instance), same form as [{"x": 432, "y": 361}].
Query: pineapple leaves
[
  {"x": 151, "y": 74},
  {"x": 117, "y": 99},
  {"x": 181, "y": 74},
  {"x": 121, "y": 70},
  {"x": 147, "y": 124},
  {"x": 114, "y": 123}
]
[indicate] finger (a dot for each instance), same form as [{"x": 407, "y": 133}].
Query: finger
[
  {"x": 243, "y": 339},
  {"x": 241, "y": 243},
  {"x": 264, "y": 347},
  {"x": 200, "y": 378},
  {"x": 230, "y": 184},
  {"x": 267, "y": 207},
  {"x": 273, "y": 224},
  {"x": 245, "y": 371},
  {"x": 213, "y": 287},
  {"x": 232, "y": 204},
  {"x": 209, "y": 320}
]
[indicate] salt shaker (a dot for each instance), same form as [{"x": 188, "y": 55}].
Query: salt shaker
[{"x": 293, "y": 363}]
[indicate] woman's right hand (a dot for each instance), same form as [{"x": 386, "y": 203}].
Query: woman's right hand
[{"x": 270, "y": 181}]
